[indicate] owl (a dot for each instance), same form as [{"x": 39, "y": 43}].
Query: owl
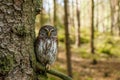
[{"x": 46, "y": 45}]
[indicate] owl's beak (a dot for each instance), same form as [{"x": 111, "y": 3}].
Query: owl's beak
[{"x": 49, "y": 33}]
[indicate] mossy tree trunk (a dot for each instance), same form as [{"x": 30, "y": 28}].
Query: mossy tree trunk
[{"x": 17, "y": 39}]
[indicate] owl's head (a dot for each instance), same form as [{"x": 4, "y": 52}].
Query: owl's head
[{"x": 48, "y": 31}]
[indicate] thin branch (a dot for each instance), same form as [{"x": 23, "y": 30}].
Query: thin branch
[
  {"x": 59, "y": 74},
  {"x": 53, "y": 72}
]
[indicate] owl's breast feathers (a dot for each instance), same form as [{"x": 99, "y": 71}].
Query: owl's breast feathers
[{"x": 46, "y": 50}]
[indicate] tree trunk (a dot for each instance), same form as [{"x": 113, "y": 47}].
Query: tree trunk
[
  {"x": 67, "y": 42},
  {"x": 77, "y": 42},
  {"x": 73, "y": 14},
  {"x": 17, "y": 39},
  {"x": 112, "y": 17},
  {"x": 113, "y": 4},
  {"x": 118, "y": 17},
  {"x": 49, "y": 13},
  {"x": 41, "y": 15},
  {"x": 97, "y": 16},
  {"x": 55, "y": 16},
  {"x": 92, "y": 26}
]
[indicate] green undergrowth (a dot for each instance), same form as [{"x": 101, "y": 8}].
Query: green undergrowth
[{"x": 108, "y": 46}]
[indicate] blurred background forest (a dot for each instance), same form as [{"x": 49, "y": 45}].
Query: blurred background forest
[{"x": 88, "y": 37}]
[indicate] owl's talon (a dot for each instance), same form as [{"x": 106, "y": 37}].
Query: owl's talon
[{"x": 48, "y": 67}]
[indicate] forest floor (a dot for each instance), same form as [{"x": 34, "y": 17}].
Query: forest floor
[{"x": 83, "y": 69}]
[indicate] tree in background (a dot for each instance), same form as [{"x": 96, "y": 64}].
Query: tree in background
[
  {"x": 97, "y": 16},
  {"x": 41, "y": 15},
  {"x": 73, "y": 19},
  {"x": 114, "y": 16},
  {"x": 49, "y": 12},
  {"x": 112, "y": 7},
  {"x": 67, "y": 39},
  {"x": 77, "y": 28},
  {"x": 92, "y": 26},
  {"x": 55, "y": 10},
  {"x": 118, "y": 23},
  {"x": 103, "y": 22}
]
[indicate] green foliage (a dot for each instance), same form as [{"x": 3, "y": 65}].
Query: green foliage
[
  {"x": 53, "y": 78},
  {"x": 89, "y": 78},
  {"x": 84, "y": 36},
  {"x": 108, "y": 45},
  {"x": 84, "y": 40},
  {"x": 61, "y": 37},
  {"x": 42, "y": 77},
  {"x": 106, "y": 51}
]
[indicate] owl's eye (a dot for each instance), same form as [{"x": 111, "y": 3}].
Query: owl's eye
[
  {"x": 42, "y": 34},
  {"x": 53, "y": 33},
  {"x": 52, "y": 30}
]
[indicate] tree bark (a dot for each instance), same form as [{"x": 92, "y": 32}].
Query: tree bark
[
  {"x": 17, "y": 39},
  {"x": 112, "y": 7},
  {"x": 118, "y": 23},
  {"x": 73, "y": 14},
  {"x": 67, "y": 39},
  {"x": 97, "y": 17},
  {"x": 49, "y": 13},
  {"x": 55, "y": 16},
  {"x": 113, "y": 4},
  {"x": 77, "y": 42},
  {"x": 92, "y": 26},
  {"x": 41, "y": 15}
]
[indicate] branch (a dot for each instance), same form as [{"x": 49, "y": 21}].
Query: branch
[
  {"x": 59, "y": 74},
  {"x": 53, "y": 72}
]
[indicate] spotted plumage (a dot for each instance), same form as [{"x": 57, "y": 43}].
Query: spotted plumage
[{"x": 46, "y": 45}]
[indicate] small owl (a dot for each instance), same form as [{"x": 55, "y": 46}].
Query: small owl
[{"x": 46, "y": 45}]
